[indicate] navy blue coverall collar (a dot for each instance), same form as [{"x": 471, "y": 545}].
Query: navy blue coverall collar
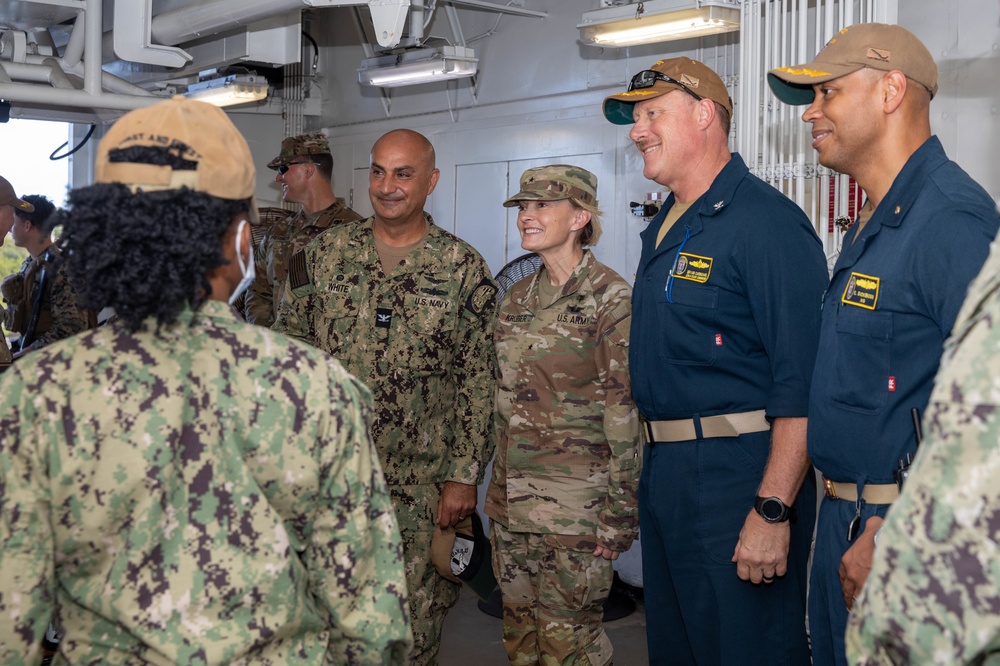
[
  {"x": 717, "y": 197},
  {"x": 897, "y": 201}
]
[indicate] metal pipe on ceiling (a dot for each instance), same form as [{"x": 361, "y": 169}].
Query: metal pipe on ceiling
[
  {"x": 93, "y": 16},
  {"x": 60, "y": 90},
  {"x": 416, "y": 33},
  {"x": 456, "y": 25},
  {"x": 39, "y": 69},
  {"x": 38, "y": 73},
  {"x": 109, "y": 82},
  {"x": 505, "y": 9},
  {"x": 207, "y": 18},
  {"x": 201, "y": 19},
  {"x": 73, "y": 52},
  {"x": 57, "y": 77},
  {"x": 80, "y": 99}
]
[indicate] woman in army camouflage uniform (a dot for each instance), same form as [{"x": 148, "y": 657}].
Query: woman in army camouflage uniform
[{"x": 563, "y": 494}]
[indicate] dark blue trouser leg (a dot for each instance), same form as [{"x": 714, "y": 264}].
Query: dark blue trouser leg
[
  {"x": 827, "y": 610},
  {"x": 694, "y": 499}
]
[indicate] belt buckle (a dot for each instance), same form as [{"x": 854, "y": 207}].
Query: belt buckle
[
  {"x": 649, "y": 430},
  {"x": 831, "y": 492}
]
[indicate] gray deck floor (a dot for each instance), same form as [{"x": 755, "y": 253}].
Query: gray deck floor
[{"x": 473, "y": 638}]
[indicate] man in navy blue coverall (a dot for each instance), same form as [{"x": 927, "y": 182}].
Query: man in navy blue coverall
[
  {"x": 724, "y": 332},
  {"x": 896, "y": 289}
]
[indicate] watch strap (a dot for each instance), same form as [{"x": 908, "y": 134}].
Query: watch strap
[{"x": 788, "y": 513}]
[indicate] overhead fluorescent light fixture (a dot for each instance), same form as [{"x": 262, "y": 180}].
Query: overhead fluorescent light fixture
[
  {"x": 418, "y": 66},
  {"x": 658, "y": 21},
  {"x": 229, "y": 90}
]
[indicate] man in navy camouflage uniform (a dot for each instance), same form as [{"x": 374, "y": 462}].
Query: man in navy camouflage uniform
[{"x": 409, "y": 309}]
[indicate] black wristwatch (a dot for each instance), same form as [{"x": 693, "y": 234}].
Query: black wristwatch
[{"x": 773, "y": 510}]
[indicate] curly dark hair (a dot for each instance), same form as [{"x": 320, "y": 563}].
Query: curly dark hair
[
  {"x": 145, "y": 254},
  {"x": 43, "y": 211}
]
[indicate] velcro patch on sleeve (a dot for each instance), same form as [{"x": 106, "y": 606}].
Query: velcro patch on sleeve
[
  {"x": 298, "y": 276},
  {"x": 483, "y": 297}
]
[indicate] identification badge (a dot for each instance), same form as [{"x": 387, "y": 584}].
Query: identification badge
[
  {"x": 692, "y": 267},
  {"x": 861, "y": 291}
]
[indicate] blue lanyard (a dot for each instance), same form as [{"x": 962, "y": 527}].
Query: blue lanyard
[{"x": 669, "y": 289}]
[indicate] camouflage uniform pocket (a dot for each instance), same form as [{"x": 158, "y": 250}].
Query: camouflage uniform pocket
[{"x": 425, "y": 338}]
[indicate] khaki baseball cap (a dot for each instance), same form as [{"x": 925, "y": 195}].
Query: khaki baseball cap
[
  {"x": 555, "y": 182},
  {"x": 300, "y": 146},
  {"x": 220, "y": 163},
  {"x": 9, "y": 198},
  {"x": 864, "y": 45},
  {"x": 687, "y": 75}
]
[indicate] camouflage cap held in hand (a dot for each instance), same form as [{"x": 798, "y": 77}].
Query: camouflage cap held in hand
[
  {"x": 877, "y": 46},
  {"x": 9, "y": 198},
  {"x": 555, "y": 182},
  {"x": 689, "y": 76},
  {"x": 212, "y": 155},
  {"x": 299, "y": 146},
  {"x": 463, "y": 554}
]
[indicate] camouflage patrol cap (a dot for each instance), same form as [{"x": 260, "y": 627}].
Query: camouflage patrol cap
[
  {"x": 555, "y": 182},
  {"x": 219, "y": 162},
  {"x": 298, "y": 146},
  {"x": 877, "y": 46},
  {"x": 690, "y": 75},
  {"x": 9, "y": 198}
]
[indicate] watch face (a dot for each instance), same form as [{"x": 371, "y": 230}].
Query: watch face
[{"x": 771, "y": 509}]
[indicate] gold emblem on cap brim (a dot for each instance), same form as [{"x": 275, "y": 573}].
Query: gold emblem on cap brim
[
  {"x": 640, "y": 93},
  {"x": 802, "y": 71}
]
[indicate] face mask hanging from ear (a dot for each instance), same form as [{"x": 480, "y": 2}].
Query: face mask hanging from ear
[{"x": 247, "y": 269}]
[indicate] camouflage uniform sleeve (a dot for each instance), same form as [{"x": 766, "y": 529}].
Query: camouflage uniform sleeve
[
  {"x": 68, "y": 318},
  {"x": 475, "y": 376},
  {"x": 619, "y": 519},
  {"x": 27, "y": 583},
  {"x": 933, "y": 593},
  {"x": 293, "y": 313},
  {"x": 356, "y": 556},
  {"x": 259, "y": 299}
]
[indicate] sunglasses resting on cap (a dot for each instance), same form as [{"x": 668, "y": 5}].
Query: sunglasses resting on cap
[{"x": 647, "y": 78}]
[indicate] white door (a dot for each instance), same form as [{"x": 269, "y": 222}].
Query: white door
[
  {"x": 358, "y": 199},
  {"x": 480, "y": 218}
]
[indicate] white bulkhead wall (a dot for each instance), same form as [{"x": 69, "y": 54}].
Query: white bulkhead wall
[{"x": 964, "y": 38}]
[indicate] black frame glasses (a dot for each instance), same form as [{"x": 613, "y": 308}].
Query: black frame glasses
[
  {"x": 283, "y": 169},
  {"x": 647, "y": 78}
]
